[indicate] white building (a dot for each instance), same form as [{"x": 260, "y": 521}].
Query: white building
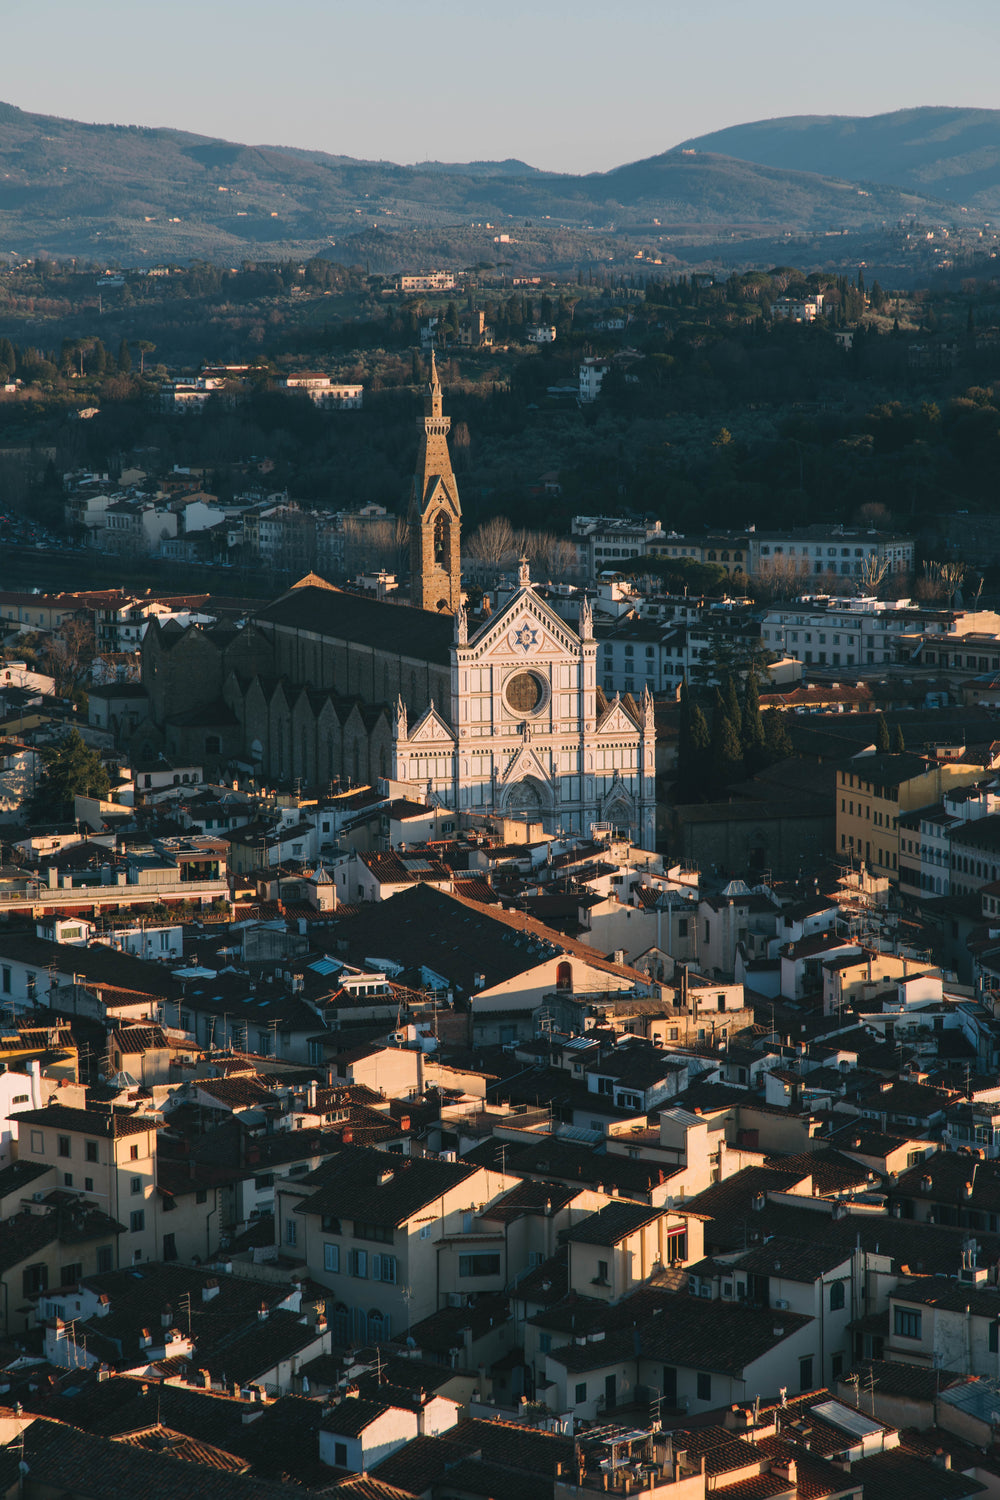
[
  {"x": 812, "y": 551},
  {"x": 429, "y": 281},
  {"x": 592, "y": 373},
  {"x": 545, "y": 333},
  {"x": 528, "y": 737},
  {"x": 323, "y": 393}
]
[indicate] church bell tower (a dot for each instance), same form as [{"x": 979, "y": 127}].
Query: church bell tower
[{"x": 435, "y": 515}]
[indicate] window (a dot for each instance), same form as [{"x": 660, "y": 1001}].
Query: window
[
  {"x": 994, "y": 1338},
  {"x": 135, "y": 1185},
  {"x": 62, "y": 1145},
  {"x": 6, "y": 980},
  {"x": 169, "y": 1247},
  {"x": 366, "y": 1231},
  {"x": 704, "y": 1386},
  {"x": 340, "y": 1455},
  {"x": 906, "y": 1322},
  {"x": 479, "y": 1265},
  {"x": 105, "y": 1259},
  {"x": 71, "y": 1274},
  {"x": 426, "y": 1230},
  {"x": 581, "y": 1391},
  {"x": 90, "y": 1149},
  {"x": 836, "y": 1296},
  {"x": 544, "y": 1343},
  {"x": 35, "y": 1279},
  {"x": 329, "y": 1224},
  {"x": 264, "y": 1180},
  {"x": 602, "y": 1273},
  {"x": 67, "y": 1179},
  {"x": 134, "y": 1154},
  {"x": 291, "y": 1232},
  {"x": 88, "y": 1186},
  {"x": 358, "y": 1263},
  {"x": 384, "y": 1268},
  {"x": 38, "y": 1143},
  {"x": 806, "y": 1373},
  {"x": 137, "y": 1221},
  {"x": 331, "y": 1257}
]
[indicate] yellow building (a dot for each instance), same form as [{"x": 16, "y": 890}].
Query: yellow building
[{"x": 872, "y": 790}]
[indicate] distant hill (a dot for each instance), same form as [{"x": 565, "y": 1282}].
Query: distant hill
[
  {"x": 952, "y": 154},
  {"x": 138, "y": 194}
]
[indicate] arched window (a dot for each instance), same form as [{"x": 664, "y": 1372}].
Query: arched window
[
  {"x": 564, "y": 976},
  {"x": 442, "y": 538},
  {"x": 836, "y": 1295},
  {"x": 376, "y": 1326}
]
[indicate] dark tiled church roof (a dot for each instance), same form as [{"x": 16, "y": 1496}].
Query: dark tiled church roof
[{"x": 415, "y": 633}]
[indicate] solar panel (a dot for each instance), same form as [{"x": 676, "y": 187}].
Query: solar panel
[{"x": 846, "y": 1418}]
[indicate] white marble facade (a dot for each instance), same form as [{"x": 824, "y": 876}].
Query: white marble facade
[{"x": 526, "y": 737}]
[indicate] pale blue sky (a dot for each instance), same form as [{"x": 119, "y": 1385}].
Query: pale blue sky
[{"x": 566, "y": 86}]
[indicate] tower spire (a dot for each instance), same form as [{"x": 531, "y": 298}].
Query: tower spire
[{"x": 435, "y": 514}]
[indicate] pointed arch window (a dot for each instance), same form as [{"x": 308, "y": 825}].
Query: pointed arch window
[{"x": 442, "y": 539}]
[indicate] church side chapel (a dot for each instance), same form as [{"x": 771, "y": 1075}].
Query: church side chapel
[{"x": 494, "y": 714}]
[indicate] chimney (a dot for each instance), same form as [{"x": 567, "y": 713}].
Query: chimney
[
  {"x": 262, "y": 1312},
  {"x": 210, "y": 1290},
  {"x": 166, "y": 1316}
]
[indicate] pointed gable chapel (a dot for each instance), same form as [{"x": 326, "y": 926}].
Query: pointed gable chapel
[{"x": 435, "y": 514}]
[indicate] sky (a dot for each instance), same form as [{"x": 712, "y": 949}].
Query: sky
[{"x": 575, "y": 87}]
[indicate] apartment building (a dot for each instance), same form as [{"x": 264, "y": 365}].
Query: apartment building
[
  {"x": 872, "y": 791},
  {"x": 814, "y": 551},
  {"x": 368, "y": 1226},
  {"x": 926, "y": 838},
  {"x": 325, "y": 392},
  {"x": 107, "y": 1156}
]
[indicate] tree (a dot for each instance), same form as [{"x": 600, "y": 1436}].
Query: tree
[
  {"x": 144, "y": 347},
  {"x": 730, "y": 699},
  {"x": 700, "y": 741},
  {"x": 124, "y": 358},
  {"x": 752, "y": 729},
  {"x": 490, "y": 549},
  {"x": 898, "y": 742},
  {"x": 70, "y": 654},
  {"x": 725, "y": 753},
  {"x": 883, "y": 745},
  {"x": 71, "y": 770},
  {"x": 777, "y": 740}
]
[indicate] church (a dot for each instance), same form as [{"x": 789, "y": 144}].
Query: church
[{"x": 500, "y": 713}]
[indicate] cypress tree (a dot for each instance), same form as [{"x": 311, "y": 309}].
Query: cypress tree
[
  {"x": 776, "y": 738},
  {"x": 752, "y": 730},
  {"x": 684, "y": 760},
  {"x": 124, "y": 358},
  {"x": 726, "y": 754},
  {"x": 700, "y": 741},
  {"x": 882, "y": 742},
  {"x": 730, "y": 699},
  {"x": 898, "y": 742}
]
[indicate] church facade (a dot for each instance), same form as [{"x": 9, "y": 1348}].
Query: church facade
[
  {"x": 502, "y": 714},
  {"x": 528, "y": 733}
]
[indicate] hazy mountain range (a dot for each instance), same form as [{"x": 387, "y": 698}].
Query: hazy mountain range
[{"x": 140, "y": 194}]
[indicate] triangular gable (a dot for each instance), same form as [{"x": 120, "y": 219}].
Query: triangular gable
[
  {"x": 525, "y": 763},
  {"x": 617, "y": 721},
  {"x": 437, "y": 488},
  {"x": 431, "y": 728},
  {"x": 524, "y": 627}
]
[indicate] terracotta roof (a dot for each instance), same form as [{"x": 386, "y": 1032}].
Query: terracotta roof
[
  {"x": 63, "y": 1460},
  {"x": 170, "y": 1444},
  {"x": 357, "y": 1182}
]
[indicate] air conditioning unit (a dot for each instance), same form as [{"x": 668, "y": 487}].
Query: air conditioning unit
[{"x": 780, "y": 1304}]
